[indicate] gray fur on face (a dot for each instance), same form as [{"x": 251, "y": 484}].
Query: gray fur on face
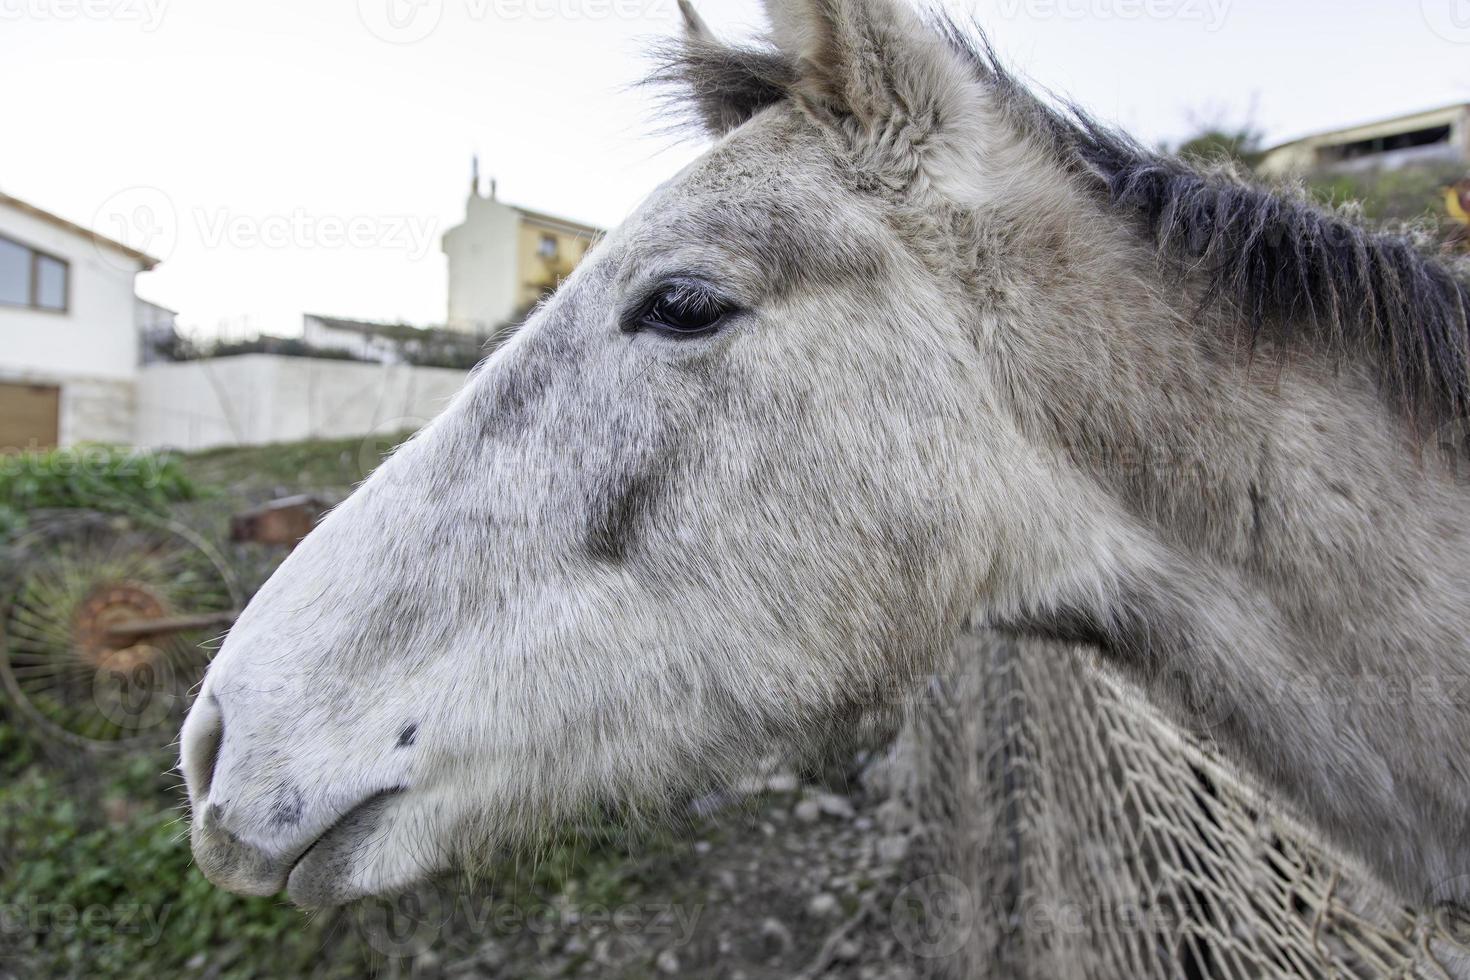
[{"x": 957, "y": 386}]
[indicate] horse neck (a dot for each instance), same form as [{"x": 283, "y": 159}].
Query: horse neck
[{"x": 1281, "y": 570}]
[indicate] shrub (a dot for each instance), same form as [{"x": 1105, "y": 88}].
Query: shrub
[{"x": 98, "y": 477}]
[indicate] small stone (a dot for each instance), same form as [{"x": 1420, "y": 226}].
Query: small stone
[
  {"x": 807, "y": 811},
  {"x": 575, "y": 946},
  {"x": 823, "y": 905},
  {"x": 668, "y": 962},
  {"x": 782, "y": 782},
  {"x": 491, "y": 955},
  {"x": 893, "y": 816},
  {"x": 750, "y": 786},
  {"x": 702, "y": 847},
  {"x": 836, "y": 806},
  {"x": 847, "y": 951},
  {"x": 777, "y": 937},
  {"x": 863, "y": 824},
  {"x": 893, "y": 848}
]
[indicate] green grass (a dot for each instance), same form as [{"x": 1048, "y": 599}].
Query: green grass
[
  {"x": 298, "y": 466},
  {"x": 96, "y": 878}
]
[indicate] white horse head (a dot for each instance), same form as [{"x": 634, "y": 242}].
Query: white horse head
[{"x": 896, "y": 352}]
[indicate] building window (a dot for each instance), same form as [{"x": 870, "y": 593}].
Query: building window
[
  {"x": 548, "y": 247},
  {"x": 32, "y": 279},
  {"x": 1433, "y": 136}
]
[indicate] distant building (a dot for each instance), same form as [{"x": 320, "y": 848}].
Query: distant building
[
  {"x": 70, "y": 328},
  {"x": 367, "y": 340},
  {"x": 1438, "y": 137},
  {"x": 393, "y": 343},
  {"x": 504, "y": 258}
]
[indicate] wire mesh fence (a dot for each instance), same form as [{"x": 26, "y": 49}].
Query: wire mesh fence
[{"x": 1068, "y": 831}]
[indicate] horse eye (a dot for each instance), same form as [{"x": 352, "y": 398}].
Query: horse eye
[{"x": 681, "y": 310}]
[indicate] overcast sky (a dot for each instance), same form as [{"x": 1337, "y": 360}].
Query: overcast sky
[{"x": 305, "y": 155}]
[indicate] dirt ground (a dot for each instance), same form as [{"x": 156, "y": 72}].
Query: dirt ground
[{"x": 793, "y": 880}]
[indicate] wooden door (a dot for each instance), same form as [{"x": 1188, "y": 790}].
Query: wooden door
[{"x": 30, "y": 417}]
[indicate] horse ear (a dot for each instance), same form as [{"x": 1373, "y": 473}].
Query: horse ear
[
  {"x": 895, "y": 82},
  {"x": 725, "y": 84}
]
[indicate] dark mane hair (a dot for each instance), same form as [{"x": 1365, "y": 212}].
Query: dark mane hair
[{"x": 1295, "y": 271}]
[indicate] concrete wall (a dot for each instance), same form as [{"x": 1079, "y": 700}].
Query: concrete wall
[
  {"x": 97, "y": 410},
  {"x": 254, "y": 399}
]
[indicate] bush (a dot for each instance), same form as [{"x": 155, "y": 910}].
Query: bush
[
  {"x": 1390, "y": 196},
  {"x": 174, "y": 346},
  {"x": 98, "y": 477}
]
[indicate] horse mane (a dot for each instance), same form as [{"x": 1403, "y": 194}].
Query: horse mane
[{"x": 1297, "y": 272}]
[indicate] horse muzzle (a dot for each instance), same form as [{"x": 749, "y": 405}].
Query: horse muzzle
[{"x": 257, "y": 831}]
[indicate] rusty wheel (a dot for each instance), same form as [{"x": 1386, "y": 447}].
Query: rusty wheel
[{"x": 104, "y": 624}]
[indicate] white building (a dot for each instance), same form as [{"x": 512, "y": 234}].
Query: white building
[
  {"x": 1434, "y": 138},
  {"x": 77, "y": 347},
  {"x": 69, "y": 331},
  {"x": 503, "y": 258}
]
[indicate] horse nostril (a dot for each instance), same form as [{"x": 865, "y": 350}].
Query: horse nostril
[{"x": 204, "y": 733}]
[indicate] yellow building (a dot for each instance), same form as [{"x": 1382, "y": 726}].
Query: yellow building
[{"x": 504, "y": 258}]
